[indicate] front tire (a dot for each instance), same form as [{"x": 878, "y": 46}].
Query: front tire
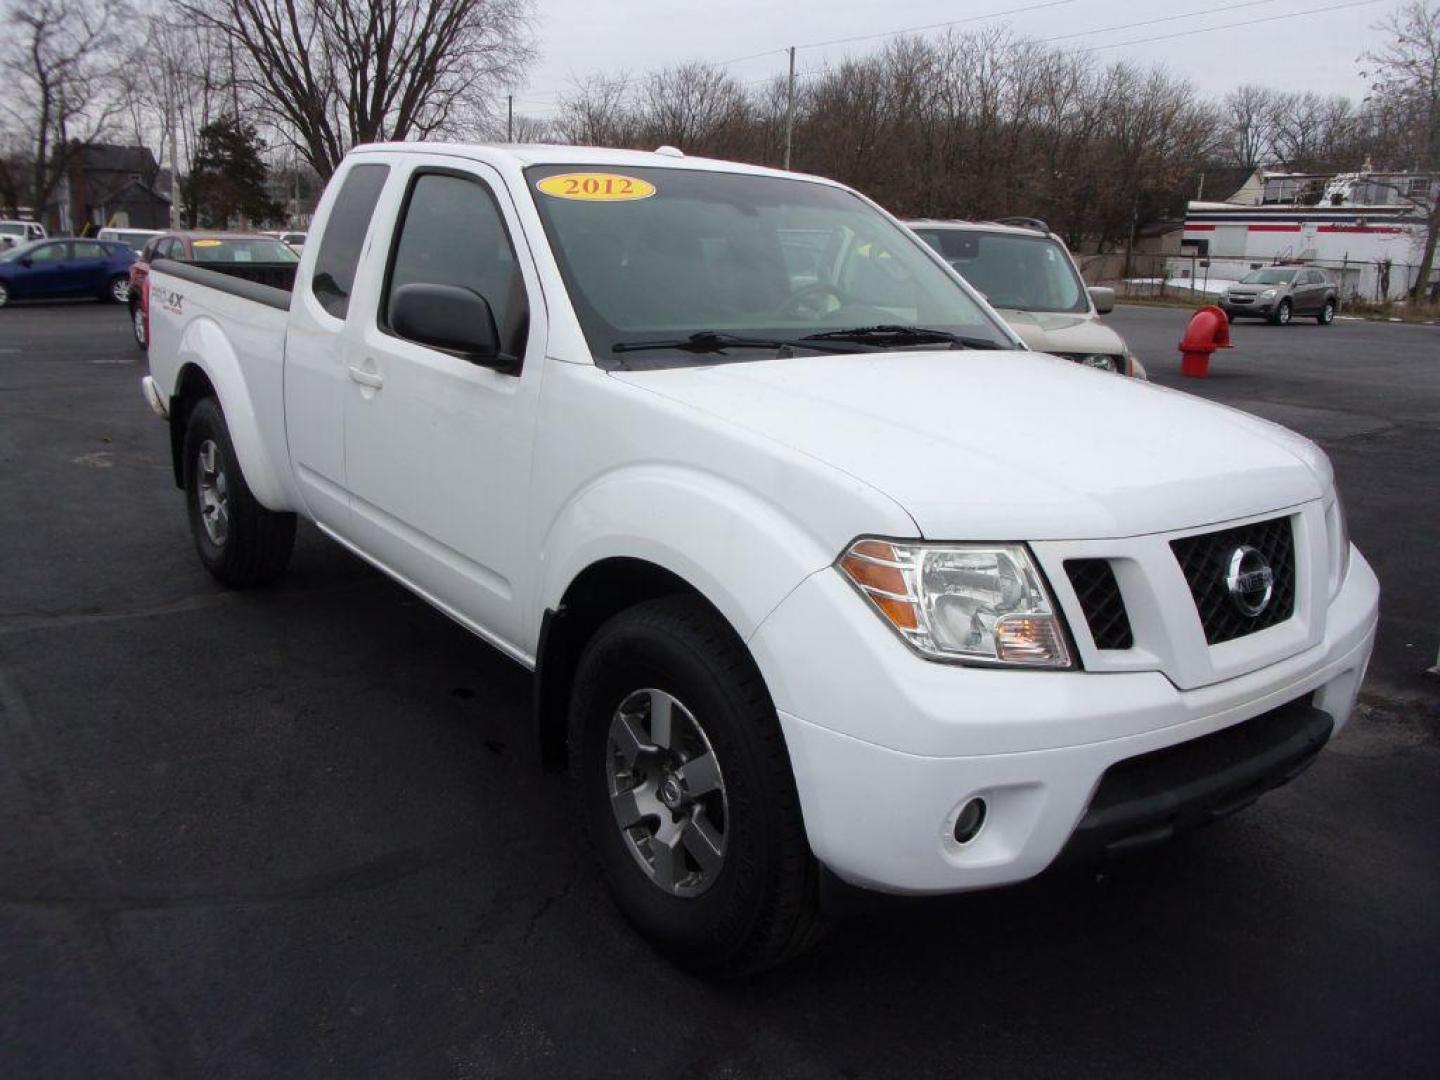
[
  {"x": 1283, "y": 310},
  {"x": 240, "y": 542},
  {"x": 687, "y": 791},
  {"x": 139, "y": 327},
  {"x": 4, "y": 295},
  {"x": 1326, "y": 315}
]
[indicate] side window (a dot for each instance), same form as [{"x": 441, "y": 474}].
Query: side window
[
  {"x": 89, "y": 249},
  {"x": 344, "y": 239},
  {"x": 451, "y": 233},
  {"x": 49, "y": 253}
]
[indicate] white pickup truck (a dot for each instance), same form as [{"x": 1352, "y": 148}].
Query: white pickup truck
[{"x": 820, "y": 572}]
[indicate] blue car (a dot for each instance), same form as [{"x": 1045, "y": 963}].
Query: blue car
[{"x": 48, "y": 269}]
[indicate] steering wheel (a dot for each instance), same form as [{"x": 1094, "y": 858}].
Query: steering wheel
[{"x": 795, "y": 307}]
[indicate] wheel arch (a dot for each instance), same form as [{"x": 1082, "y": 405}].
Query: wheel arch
[{"x": 209, "y": 366}]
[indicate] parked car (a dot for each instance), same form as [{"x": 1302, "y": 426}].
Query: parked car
[
  {"x": 251, "y": 256},
  {"x": 820, "y": 572},
  {"x": 1028, "y": 275},
  {"x": 15, "y": 233},
  {"x": 136, "y": 238},
  {"x": 294, "y": 239},
  {"x": 1278, "y": 293},
  {"x": 49, "y": 269}
]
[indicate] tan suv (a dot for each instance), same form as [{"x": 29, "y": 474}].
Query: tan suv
[{"x": 1027, "y": 274}]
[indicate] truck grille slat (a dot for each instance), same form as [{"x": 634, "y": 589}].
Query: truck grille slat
[
  {"x": 1099, "y": 595},
  {"x": 1204, "y": 560}
]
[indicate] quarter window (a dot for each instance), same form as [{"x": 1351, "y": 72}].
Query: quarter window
[
  {"x": 344, "y": 239},
  {"x": 452, "y": 234}
]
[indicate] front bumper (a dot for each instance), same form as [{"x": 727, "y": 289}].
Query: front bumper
[
  {"x": 887, "y": 748},
  {"x": 1255, "y": 307}
]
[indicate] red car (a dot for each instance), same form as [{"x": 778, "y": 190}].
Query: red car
[{"x": 252, "y": 256}]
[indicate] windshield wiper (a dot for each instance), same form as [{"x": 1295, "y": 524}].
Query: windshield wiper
[
  {"x": 903, "y": 335},
  {"x": 709, "y": 341}
]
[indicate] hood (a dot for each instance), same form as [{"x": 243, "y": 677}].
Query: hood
[
  {"x": 1063, "y": 331},
  {"x": 1010, "y": 445}
]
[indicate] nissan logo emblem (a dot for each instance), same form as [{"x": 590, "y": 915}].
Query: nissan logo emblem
[{"x": 1250, "y": 580}]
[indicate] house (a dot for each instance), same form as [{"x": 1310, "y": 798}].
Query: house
[
  {"x": 104, "y": 184},
  {"x": 1365, "y": 229}
]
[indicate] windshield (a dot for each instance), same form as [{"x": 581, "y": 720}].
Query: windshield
[
  {"x": 19, "y": 251},
  {"x": 12, "y": 228},
  {"x": 214, "y": 249},
  {"x": 1026, "y": 273},
  {"x": 654, "y": 254},
  {"x": 1269, "y": 276}
]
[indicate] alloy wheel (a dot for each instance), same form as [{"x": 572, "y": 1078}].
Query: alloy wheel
[
  {"x": 667, "y": 792},
  {"x": 120, "y": 290},
  {"x": 213, "y": 492}
]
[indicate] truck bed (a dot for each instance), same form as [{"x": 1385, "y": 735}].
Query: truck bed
[{"x": 265, "y": 283}]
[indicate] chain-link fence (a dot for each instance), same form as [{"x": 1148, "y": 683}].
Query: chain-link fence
[{"x": 1193, "y": 277}]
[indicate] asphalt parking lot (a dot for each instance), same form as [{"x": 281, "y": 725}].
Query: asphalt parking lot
[{"x": 299, "y": 832}]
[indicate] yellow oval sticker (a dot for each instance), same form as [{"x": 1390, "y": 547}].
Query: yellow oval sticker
[
  {"x": 596, "y": 187},
  {"x": 206, "y": 243}
]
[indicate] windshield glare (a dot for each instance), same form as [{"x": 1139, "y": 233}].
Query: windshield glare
[
  {"x": 1025, "y": 273},
  {"x": 742, "y": 254},
  {"x": 1269, "y": 276}
]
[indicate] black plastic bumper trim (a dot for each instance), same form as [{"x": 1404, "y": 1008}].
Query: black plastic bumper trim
[{"x": 1147, "y": 799}]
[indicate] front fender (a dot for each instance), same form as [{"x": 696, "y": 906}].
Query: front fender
[
  {"x": 203, "y": 344},
  {"x": 740, "y": 551}
]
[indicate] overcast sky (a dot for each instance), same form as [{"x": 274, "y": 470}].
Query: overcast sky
[{"x": 1309, "y": 49}]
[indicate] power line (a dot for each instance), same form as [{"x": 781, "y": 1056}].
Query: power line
[
  {"x": 934, "y": 26},
  {"x": 1151, "y": 22},
  {"x": 1230, "y": 26}
]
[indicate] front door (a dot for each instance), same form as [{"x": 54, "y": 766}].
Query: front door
[
  {"x": 47, "y": 272},
  {"x": 437, "y": 446}
]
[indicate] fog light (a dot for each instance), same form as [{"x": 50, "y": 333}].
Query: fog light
[{"x": 970, "y": 821}]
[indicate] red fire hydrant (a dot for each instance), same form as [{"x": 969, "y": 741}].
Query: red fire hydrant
[{"x": 1209, "y": 330}]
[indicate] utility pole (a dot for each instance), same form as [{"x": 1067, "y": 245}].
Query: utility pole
[
  {"x": 790, "y": 110},
  {"x": 509, "y": 118}
]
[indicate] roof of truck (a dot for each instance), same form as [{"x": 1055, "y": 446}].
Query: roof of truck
[{"x": 523, "y": 154}]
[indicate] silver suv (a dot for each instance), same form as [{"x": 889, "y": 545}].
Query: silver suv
[
  {"x": 1027, "y": 274},
  {"x": 1277, "y": 293}
]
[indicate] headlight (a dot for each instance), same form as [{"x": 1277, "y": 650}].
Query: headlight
[
  {"x": 1337, "y": 534},
  {"x": 1268, "y": 293},
  {"x": 982, "y": 603},
  {"x": 1103, "y": 361}
]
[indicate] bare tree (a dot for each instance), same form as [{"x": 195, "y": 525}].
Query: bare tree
[
  {"x": 59, "y": 62},
  {"x": 1406, "y": 91},
  {"x": 333, "y": 73}
]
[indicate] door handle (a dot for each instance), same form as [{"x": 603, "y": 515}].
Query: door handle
[{"x": 372, "y": 379}]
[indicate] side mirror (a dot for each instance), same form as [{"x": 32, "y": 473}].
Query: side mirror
[
  {"x": 1103, "y": 299},
  {"x": 449, "y": 317},
  {"x": 25, "y": 260}
]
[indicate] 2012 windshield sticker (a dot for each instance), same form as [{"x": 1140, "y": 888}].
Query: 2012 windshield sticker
[{"x": 596, "y": 187}]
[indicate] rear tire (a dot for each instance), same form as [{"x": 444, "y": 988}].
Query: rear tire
[
  {"x": 1326, "y": 315},
  {"x": 117, "y": 289},
  {"x": 239, "y": 541},
  {"x": 4, "y": 295},
  {"x": 720, "y": 880},
  {"x": 138, "y": 326},
  {"x": 1281, "y": 315}
]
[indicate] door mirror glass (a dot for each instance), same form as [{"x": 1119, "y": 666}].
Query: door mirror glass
[
  {"x": 449, "y": 317},
  {"x": 1103, "y": 299}
]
